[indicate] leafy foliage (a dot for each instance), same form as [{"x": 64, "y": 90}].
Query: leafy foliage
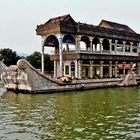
[
  {"x": 10, "y": 57},
  {"x": 35, "y": 60}
]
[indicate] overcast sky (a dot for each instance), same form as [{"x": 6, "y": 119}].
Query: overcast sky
[{"x": 20, "y": 17}]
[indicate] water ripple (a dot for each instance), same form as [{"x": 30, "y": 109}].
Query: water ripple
[{"x": 98, "y": 114}]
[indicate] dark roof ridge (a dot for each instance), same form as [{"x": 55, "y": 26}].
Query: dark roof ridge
[
  {"x": 113, "y": 22},
  {"x": 105, "y": 29},
  {"x": 115, "y": 25},
  {"x": 58, "y": 18}
]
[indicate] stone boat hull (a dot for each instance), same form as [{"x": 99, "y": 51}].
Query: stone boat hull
[{"x": 23, "y": 77}]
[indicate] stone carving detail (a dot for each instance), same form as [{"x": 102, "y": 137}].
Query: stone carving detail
[
  {"x": 24, "y": 76},
  {"x": 21, "y": 64},
  {"x": 129, "y": 80}
]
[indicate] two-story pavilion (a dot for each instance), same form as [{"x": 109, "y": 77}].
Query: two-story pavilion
[{"x": 86, "y": 51}]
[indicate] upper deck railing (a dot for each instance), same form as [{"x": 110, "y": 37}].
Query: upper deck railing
[{"x": 107, "y": 52}]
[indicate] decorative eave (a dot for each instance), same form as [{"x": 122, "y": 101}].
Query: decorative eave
[
  {"x": 66, "y": 24},
  {"x": 53, "y": 25},
  {"x": 46, "y": 29}
]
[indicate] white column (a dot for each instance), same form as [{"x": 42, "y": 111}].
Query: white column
[
  {"x": 116, "y": 74},
  {"x": 101, "y": 69},
  {"x": 42, "y": 59},
  {"x": 124, "y": 68},
  {"x": 101, "y": 44},
  {"x": 91, "y": 45},
  {"x": 80, "y": 69},
  {"x": 69, "y": 63},
  {"x": 91, "y": 69},
  {"x": 42, "y": 53},
  {"x": 77, "y": 46},
  {"x": 131, "y": 47},
  {"x": 60, "y": 57},
  {"x": 110, "y": 45},
  {"x": 124, "y": 46},
  {"x": 76, "y": 69},
  {"x": 110, "y": 69},
  {"x": 116, "y": 46},
  {"x": 55, "y": 68}
]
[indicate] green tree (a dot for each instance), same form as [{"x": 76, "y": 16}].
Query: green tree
[
  {"x": 35, "y": 60},
  {"x": 10, "y": 57}
]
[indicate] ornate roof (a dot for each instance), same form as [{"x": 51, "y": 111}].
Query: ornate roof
[
  {"x": 66, "y": 24},
  {"x": 115, "y": 26},
  {"x": 59, "y": 18}
]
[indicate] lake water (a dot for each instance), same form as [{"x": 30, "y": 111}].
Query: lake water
[{"x": 101, "y": 114}]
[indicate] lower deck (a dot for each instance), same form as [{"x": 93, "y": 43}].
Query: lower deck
[{"x": 86, "y": 69}]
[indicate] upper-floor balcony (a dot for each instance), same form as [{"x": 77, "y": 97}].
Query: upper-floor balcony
[
  {"x": 102, "y": 55},
  {"x": 104, "y": 52},
  {"x": 78, "y": 44},
  {"x": 108, "y": 52}
]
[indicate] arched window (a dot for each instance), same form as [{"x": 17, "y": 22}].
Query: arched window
[
  {"x": 69, "y": 42},
  {"x": 120, "y": 46},
  {"x": 69, "y": 39},
  {"x": 127, "y": 46},
  {"x": 127, "y": 43},
  {"x": 85, "y": 43},
  {"x": 135, "y": 48},
  {"x": 51, "y": 41},
  {"x": 106, "y": 44},
  {"x": 135, "y": 44},
  {"x": 113, "y": 41},
  {"x": 96, "y": 44},
  {"x": 120, "y": 42}
]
